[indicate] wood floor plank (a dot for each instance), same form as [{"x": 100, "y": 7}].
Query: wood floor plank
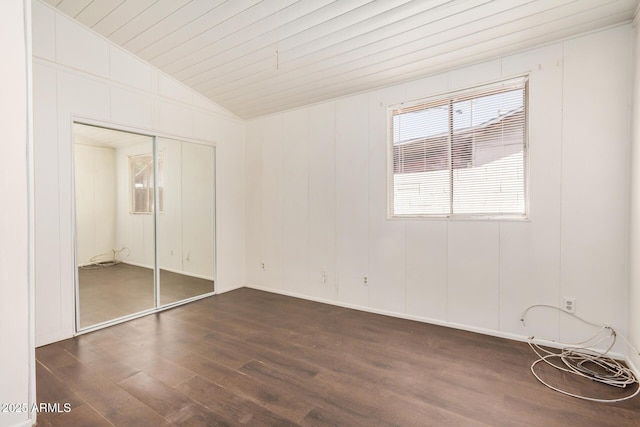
[
  {"x": 329, "y": 415},
  {"x": 82, "y": 415},
  {"x": 235, "y": 409},
  {"x": 295, "y": 365},
  {"x": 197, "y": 415},
  {"x": 158, "y": 396},
  {"x": 55, "y": 356},
  {"x": 249, "y": 357},
  {"x": 166, "y": 371},
  {"x": 124, "y": 410},
  {"x": 50, "y": 389},
  {"x": 107, "y": 398},
  {"x": 357, "y": 396},
  {"x": 221, "y": 355},
  {"x": 277, "y": 400}
]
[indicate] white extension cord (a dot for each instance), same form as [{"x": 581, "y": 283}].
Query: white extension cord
[
  {"x": 584, "y": 360},
  {"x": 115, "y": 259}
]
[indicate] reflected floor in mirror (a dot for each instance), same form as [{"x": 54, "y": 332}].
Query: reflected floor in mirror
[{"x": 107, "y": 293}]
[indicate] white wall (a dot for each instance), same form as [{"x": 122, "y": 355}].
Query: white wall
[
  {"x": 80, "y": 74},
  {"x": 17, "y": 368},
  {"x": 169, "y": 233},
  {"x": 634, "y": 239},
  {"x": 95, "y": 202},
  {"x": 197, "y": 193},
  {"x": 316, "y": 203}
]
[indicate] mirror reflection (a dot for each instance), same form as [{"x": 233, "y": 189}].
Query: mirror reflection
[
  {"x": 185, "y": 226},
  {"x": 118, "y": 219},
  {"x": 115, "y": 247}
]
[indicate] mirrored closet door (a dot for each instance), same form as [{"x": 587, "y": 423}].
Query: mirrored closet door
[
  {"x": 185, "y": 222},
  {"x": 144, "y": 210}
]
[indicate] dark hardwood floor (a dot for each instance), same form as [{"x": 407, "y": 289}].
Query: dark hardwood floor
[{"x": 254, "y": 358}]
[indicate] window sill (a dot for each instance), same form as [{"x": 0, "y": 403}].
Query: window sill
[{"x": 501, "y": 218}]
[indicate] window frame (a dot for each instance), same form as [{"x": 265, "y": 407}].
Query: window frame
[
  {"x": 156, "y": 173},
  {"x": 445, "y": 98}
]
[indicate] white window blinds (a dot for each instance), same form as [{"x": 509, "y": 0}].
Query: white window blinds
[{"x": 463, "y": 154}]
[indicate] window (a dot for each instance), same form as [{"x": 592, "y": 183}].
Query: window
[
  {"x": 460, "y": 155},
  {"x": 141, "y": 184}
]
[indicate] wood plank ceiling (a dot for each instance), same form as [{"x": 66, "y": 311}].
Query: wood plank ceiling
[{"x": 256, "y": 57}]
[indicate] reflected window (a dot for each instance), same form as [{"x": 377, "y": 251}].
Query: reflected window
[{"x": 142, "y": 183}]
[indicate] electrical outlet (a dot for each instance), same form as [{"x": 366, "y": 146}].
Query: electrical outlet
[
  {"x": 323, "y": 274},
  {"x": 262, "y": 265},
  {"x": 365, "y": 281},
  {"x": 569, "y": 304}
]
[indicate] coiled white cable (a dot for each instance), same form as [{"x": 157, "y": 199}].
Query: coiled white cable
[
  {"x": 94, "y": 263},
  {"x": 584, "y": 360}
]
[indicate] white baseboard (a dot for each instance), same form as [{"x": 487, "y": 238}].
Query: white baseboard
[
  {"x": 51, "y": 338},
  {"x": 232, "y": 288},
  {"x": 438, "y": 322},
  {"x": 633, "y": 367},
  {"x": 185, "y": 273},
  {"x": 136, "y": 264},
  {"x": 172, "y": 270},
  {"x": 150, "y": 267}
]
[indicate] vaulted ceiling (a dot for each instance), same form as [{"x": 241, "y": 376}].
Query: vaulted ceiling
[{"x": 256, "y": 57}]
